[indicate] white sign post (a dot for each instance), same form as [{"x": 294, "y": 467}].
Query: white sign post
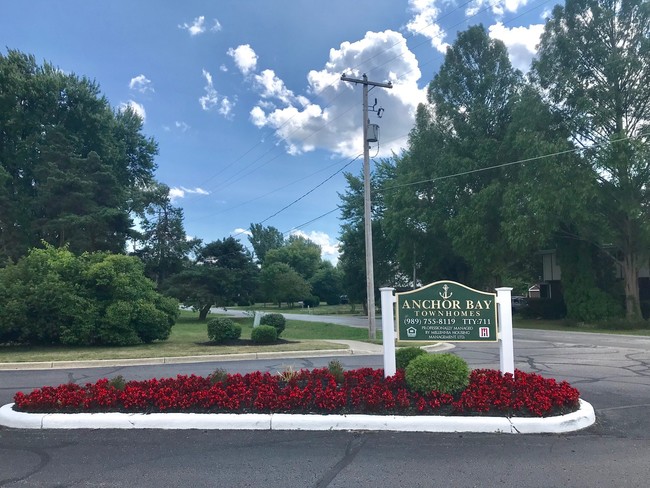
[
  {"x": 388, "y": 330},
  {"x": 506, "y": 343}
]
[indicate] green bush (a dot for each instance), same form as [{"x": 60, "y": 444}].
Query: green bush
[
  {"x": 404, "y": 355},
  {"x": 264, "y": 334},
  {"x": 221, "y": 330},
  {"x": 445, "y": 373},
  {"x": 275, "y": 320},
  {"x": 52, "y": 296}
]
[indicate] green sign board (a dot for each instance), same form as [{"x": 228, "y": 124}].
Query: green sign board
[{"x": 446, "y": 311}]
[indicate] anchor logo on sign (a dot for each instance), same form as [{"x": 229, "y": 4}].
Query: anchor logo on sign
[{"x": 446, "y": 294}]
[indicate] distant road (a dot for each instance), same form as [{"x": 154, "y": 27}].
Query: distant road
[{"x": 350, "y": 321}]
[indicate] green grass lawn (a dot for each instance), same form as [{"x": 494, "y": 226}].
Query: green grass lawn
[
  {"x": 568, "y": 326},
  {"x": 189, "y": 337}
]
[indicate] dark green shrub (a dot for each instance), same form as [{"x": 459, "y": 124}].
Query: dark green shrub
[
  {"x": 221, "y": 330},
  {"x": 264, "y": 334},
  {"x": 404, "y": 355},
  {"x": 311, "y": 302},
  {"x": 275, "y": 320},
  {"x": 445, "y": 373},
  {"x": 336, "y": 369}
]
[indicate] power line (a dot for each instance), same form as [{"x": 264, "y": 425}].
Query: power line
[
  {"x": 304, "y": 194},
  {"x": 503, "y": 165}
]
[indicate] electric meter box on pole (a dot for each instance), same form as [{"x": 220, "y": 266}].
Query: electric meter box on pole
[{"x": 446, "y": 311}]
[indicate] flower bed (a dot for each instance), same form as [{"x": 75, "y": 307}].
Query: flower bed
[{"x": 361, "y": 391}]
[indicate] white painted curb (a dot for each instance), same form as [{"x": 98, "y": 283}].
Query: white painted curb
[{"x": 572, "y": 422}]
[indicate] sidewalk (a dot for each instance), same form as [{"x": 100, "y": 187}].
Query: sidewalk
[{"x": 354, "y": 348}]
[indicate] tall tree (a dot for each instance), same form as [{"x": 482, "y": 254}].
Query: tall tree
[
  {"x": 264, "y": 239},
  {"x": 70, "y": 164},
  {"x": 164, "y": 244},
  {"x": 303, "y": 255},
  {"x": 594, "y": 64},
  {"x": 446, "y": 210}
]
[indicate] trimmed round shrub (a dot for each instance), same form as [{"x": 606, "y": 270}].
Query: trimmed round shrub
[
  {"x": 404, "y": 355},
  {"x": 275, "y": 320},
  {"x": 264, "y": 334},
  {"x": 221, "y": 330},
  {"x": 445, "y": 373}
]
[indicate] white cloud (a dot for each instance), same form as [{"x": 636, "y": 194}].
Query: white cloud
[
  {"x": 138, "y": 108},
  {"x": 424, "y": 23},
  {"x": 498, "y": 7},
  {"x": 212, "y": 99},
  {"x": 141, "y": 83},
  {"x": 225, "y": 107},
  {"x": 240, "y": 231},
  {"x": 329, "y": 247},
  {"x": 175, "y": 193},
  {"x": 245, "y": 58},
  {"x": 182, "y": 126},
  {"x": 304, "y": 125},
  {"x": 198, "y": 26},
  {"x": 270, "y": 86},
  {"x": 180, "y": 192},
  {"x": 520, "y": 41}
]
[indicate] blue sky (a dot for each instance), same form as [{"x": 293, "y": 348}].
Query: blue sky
[{"x": 244, "y": 96}]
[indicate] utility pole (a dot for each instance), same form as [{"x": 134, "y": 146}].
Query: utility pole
[{"x": 367, "y": 208}]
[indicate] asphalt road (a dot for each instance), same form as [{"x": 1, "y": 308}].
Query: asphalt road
[{"x": 612, "y": 373}]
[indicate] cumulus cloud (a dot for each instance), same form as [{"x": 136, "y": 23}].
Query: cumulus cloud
[
  {"x": 521, "y": 42},
  {"x": 197, "y": 26},
  {"x": 424, "y": 23},
  {"x": 141, "y": 84},
  {"x": 180, "y": 191},
  {"x": 245, "y": 58},
  {"x": 138, "y": 108},
  {"x": 212, "y": 99},
  {"x": 272, "y": 87},
  {"x": 307, "y": 124},
  {"x": 329, "y": 246}
]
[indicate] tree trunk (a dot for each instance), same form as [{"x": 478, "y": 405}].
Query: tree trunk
[
  {"x": 631, "y": 280},
  {"x": 203, "y": 312}
]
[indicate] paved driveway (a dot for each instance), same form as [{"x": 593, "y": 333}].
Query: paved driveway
[{"x": 612, "y": 372}]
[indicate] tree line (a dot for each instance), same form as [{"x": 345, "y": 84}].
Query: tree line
[{"x": 500, "y": 166}]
